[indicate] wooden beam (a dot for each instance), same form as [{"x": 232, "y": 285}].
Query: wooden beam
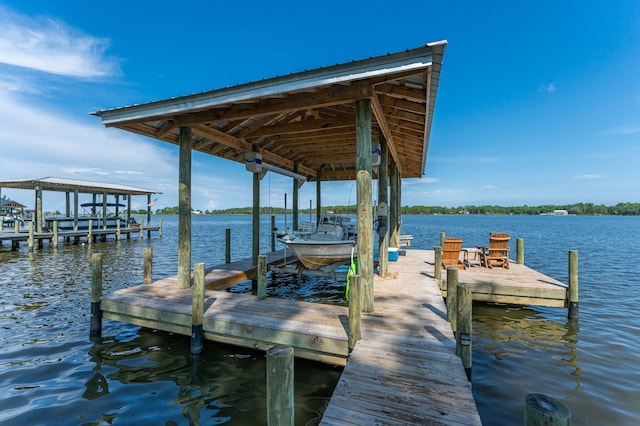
[
  {"x": 325, "y": 97},
  {"x": 382, "y": 122}
]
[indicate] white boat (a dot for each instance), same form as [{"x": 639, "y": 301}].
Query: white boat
[
  {"x": 333, "y": 240},
  {"x": 67, "y": 223}
]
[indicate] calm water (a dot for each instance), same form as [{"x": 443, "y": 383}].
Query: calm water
[{"x": 51, "y": 373}]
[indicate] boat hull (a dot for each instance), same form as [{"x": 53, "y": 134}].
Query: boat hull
[{"x": 315, "y": 254}]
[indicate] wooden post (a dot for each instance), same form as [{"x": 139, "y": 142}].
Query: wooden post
[
  {"x": 520, "y": 251},
  {"x": 280, "y": 373},
  {"x": 184, "y": 210},
  {"x": 543, "y": 410},
  {"x": 442, "y": 239},
  {"x": 30, "y": 242},
  {"x": 262, "y": 277},
  {"x": 55, "y": 234},
  {"x": 452, "y": 297},
  {"x": 383, "y": 197},
  {"x": 355, "y": 307},
  {"x": 364, "y": 194},
  {"x": 148, "y": 215},
  {"x": 394, "y": 213},
  {"x": 255, "y": 246},
  {"x": 142, "y": 233},
  {"x": 437, "y": 265},
  {"x": 294, "y": 201},
  {"x": 117, "y": 228},
  {"x": 160, "y": 228},
  {"x": 464, "y": 327},
  {"x": 573, "y": 285},
  {"x": 104, "y": 213},
  {"x": 148, "y": 265},
  {"x": 16, "y": 226},
  {"x": 39, "y": 218},
  {"x": 318, "y": 195},
  {"x": 227, "y": 245},
  {"x": 90, "y": 232},
  {"x": 95, "y": 326},
  {"x": 273, "y": 234},
  {"x": 197, "y": 310}
]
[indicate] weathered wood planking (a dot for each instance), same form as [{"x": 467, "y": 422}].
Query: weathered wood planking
[
  {"x": 404, "y": 370},
  {"x": 518, "y": 285}
]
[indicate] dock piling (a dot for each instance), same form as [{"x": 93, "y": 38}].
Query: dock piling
[
  {"x": 197, "y": 310},
  {"x": 95, "y": 327},
  {"x": 520, "y": 251},
  {"x": 227, "y": 246},
  {"x": 464, "y": 327},
  {"x": 262, "y": 277},
  {"x": 543, "y": 410},
  {"x": 452, "y": 298},
  {"x": 280, "y": 402},
  {"x": 442, "y": 239},
  {"x": 55, "y": 234},
  {"x": 573, "y": 285},
  {"x": 437, "y": 266},
  {"x": 30, "y": 242},
  {"x": 148, "y": 265},
  {"x": 355, "y": 308}
]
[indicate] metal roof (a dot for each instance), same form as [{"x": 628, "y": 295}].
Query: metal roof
[
  {"x": 306, "y": 120},
  {"x": 71, "y": 185}
]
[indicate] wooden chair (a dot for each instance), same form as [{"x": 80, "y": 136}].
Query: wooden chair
[
  {"x": 451, "y": 254},
  {"x": 497, "y": 254}
]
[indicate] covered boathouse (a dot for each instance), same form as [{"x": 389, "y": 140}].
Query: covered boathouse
[{"x": 357, "y": 121}]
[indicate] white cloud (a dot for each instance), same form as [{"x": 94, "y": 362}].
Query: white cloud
[
  {"x": 50, "y": 46},
  {"x": 548, "y": 89}
]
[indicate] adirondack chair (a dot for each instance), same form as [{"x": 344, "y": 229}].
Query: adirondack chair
[
  {"x": 451, "y": 253},
  {"x": 497, "y": 253}
]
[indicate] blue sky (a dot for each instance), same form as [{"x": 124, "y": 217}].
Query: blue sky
[{"x": 538, "y": 103}]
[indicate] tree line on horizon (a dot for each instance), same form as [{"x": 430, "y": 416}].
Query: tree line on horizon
[{"x": 580, "y": 209}]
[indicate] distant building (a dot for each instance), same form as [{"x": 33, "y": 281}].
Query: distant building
[{"x": 560, "y": 213}]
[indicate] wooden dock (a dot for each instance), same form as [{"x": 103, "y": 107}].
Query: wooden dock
[
  {"x": 404, "y": 369},
  {"x": 22, "y": 236}
]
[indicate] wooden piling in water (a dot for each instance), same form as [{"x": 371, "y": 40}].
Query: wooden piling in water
[
  {"x": 227, "y": 245},
  {"x": 280, "y": 374},
  {"x": 30, "y": 242},
  {"x": 573, "y": 285},
  {"x": 520, "y": 251},
  {"x": 464, "y": 327},
  {"x": 148, "y": 265},
  {"x": 452, "y": 297},
  {"x": 544, "y": 410},
  {"x": 55, "y": 234},
  {"x": 197, "y": 310},
  {"x": 437, "y": 266},
  {"x": 355, "y": 308},
  {"x": 95, "y": 326},
  {"x": 262, "y": 277},
  {"x": 441, "y": 239},
  {"x": 273, "y": 233},
  {"x": 90, "y": 232}
]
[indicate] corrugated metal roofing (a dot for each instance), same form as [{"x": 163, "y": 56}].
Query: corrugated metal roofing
[
  {"x": 71, "y": 185},
  {"x": 306, "y": 120}
]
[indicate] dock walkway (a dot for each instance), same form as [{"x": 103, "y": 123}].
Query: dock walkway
[{"x": 404, "y": 369}]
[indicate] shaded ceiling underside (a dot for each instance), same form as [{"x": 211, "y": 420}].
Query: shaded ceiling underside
[{"x": 306, "y": 122}]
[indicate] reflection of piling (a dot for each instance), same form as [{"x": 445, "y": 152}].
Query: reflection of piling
[
  {"x": 95, "y": 327},
  {"x": 573, "y": 284},
  {"x": 464, "y": 327},
  {"x": 355, "y": 307},
  {"x": 280, "y": 402},
  {"x": 197, "y": 310},
  {"x": 544, "y": 410}
]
